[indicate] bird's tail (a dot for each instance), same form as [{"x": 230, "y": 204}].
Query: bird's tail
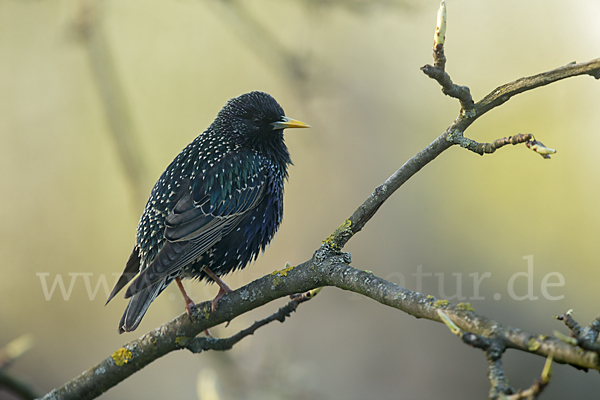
[{"x": 138, "y": 305}]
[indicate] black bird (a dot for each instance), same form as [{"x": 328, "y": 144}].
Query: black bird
[{"x": 214, "y": 208}]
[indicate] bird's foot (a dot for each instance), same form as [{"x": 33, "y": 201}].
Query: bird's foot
[
  {"x": 222, "y": 292},
  {"x": 223, "y": 288},
  {"x": 188, "y": 307}
]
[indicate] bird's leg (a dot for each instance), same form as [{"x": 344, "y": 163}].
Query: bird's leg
[
  {"x": 189, "y": 303},
  {"x": 223, "y": 288}
]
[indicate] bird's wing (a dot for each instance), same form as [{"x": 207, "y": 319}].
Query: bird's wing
[{"x": 200, "y": 219}]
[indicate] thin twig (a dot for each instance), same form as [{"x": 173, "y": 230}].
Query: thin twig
[
  {"x": 437, "y": 71},
  {"x": 489, "y": 148},
  {"x": 449, "y": 88},
  {"x": 199, "y": 344}
]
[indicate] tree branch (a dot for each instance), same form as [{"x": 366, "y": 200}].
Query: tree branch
[
  {"x": 332, "y": 270},
  {"x": 496, "y": 98}
]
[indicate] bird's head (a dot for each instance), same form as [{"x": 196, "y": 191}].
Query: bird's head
[{"x": 255, "y": 120}]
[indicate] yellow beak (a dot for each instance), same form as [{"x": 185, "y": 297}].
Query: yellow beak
[{"x": 289, "y": 123}]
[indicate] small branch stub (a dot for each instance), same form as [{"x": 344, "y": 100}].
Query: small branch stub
[{"x": 584, "y": 337}]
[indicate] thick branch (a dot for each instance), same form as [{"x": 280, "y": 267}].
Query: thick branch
[{"x": 330, "y": 271}]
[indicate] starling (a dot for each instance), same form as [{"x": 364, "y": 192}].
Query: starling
[{"x": 214, "y": 208}]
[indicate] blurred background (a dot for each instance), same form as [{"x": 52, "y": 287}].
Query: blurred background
[{"x": 98, "y": 97}]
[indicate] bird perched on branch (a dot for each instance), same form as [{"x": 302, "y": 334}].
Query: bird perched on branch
[{"x": 214, "y": 208}]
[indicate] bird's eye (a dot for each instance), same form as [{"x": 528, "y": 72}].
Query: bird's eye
[{"x": 257, "y": 121}]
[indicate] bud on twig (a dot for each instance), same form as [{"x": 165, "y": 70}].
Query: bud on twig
[
  {"x": 440, "y": 31},
  {"x": 539, "y": 148}
]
